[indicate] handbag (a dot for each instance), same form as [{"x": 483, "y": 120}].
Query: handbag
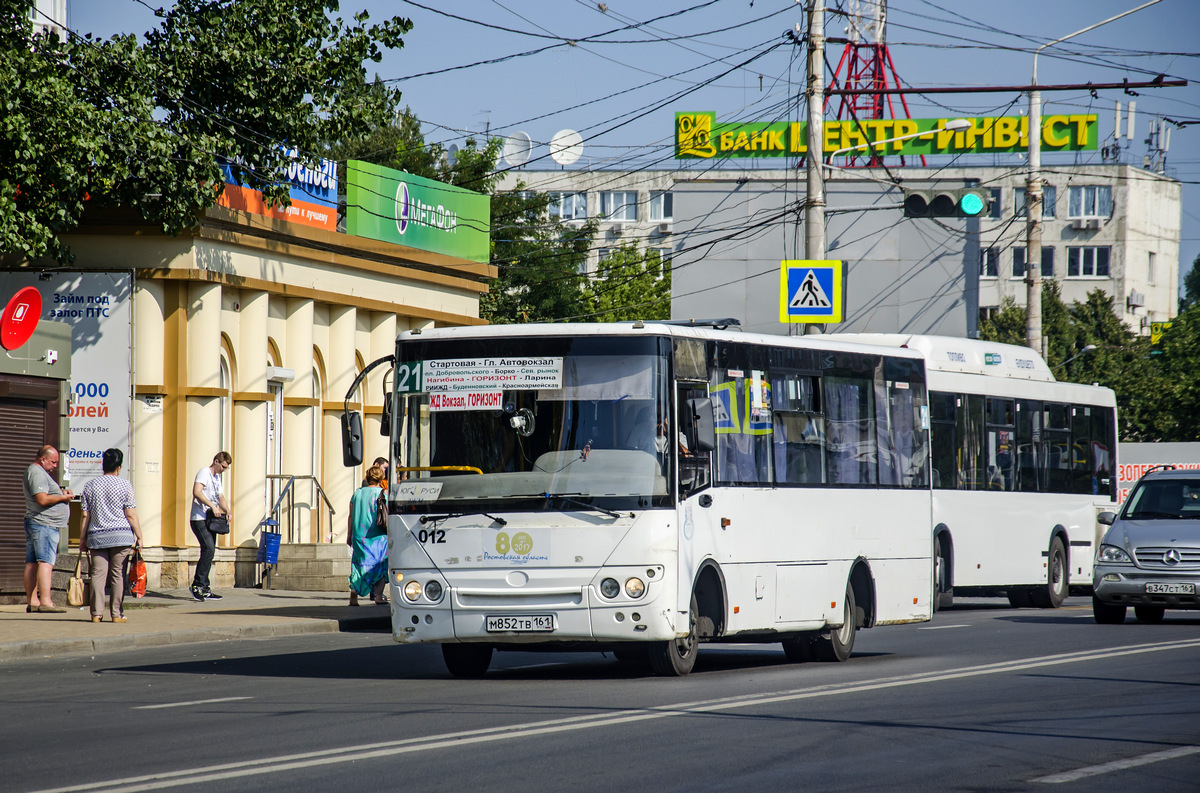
[
  {"x": 76, "y": 588},
  {"x": 217, "y": 524},
  {"x": 137, "y": 576},
  {"x": 380, "y": 527}
]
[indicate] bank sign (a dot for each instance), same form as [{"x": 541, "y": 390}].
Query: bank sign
[
  {"x": 394, "y": 206},
  {"x": 699, "y": 136},
  {"x": 313, "y": 193}
]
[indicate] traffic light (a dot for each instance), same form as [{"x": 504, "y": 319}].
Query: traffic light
[{"x": 965, "y": 202}]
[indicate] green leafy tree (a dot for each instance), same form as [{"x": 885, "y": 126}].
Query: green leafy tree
[
  {"x": 631, "y": 284},
  {"x": 1191, "y": 286},
  {"x": 238, "y": 79}
]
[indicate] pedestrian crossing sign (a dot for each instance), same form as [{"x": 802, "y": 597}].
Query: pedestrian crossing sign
[{"x": 812, "y": 290}]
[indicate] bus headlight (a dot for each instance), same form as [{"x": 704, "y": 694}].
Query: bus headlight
[
  {"x": 610, "y": 588},
  {"x": 433, "y": 591},
  {"x": 635, "y": 588},
  {"x": 412, "y": 590}
]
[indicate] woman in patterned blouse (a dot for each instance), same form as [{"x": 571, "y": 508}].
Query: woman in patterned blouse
[{"x": 110, "y": 531}]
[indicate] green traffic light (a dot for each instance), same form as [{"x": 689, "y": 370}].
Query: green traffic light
[{"x": 971, "y": 204}]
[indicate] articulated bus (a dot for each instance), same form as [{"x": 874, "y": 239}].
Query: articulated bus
[
  {"x": 1022, "y": 465},
  {"x": 642, "y": 488}
]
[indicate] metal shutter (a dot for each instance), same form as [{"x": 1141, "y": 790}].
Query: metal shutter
[{"x": 22, "y": 429}]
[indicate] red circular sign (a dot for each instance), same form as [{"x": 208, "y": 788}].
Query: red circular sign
[{"x": 20, "y": 318}]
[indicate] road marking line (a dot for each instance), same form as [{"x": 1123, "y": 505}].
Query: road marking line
[
  {"x": 942, "y": 627},
  {"x": 186, "y": 704},
  {"x": 1119, "y": 765},
  {"x": 357, "y": 753}
]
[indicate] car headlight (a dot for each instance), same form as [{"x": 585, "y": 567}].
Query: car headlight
[
  {"x": 412, "y": 590},
  {"x": 433, "y": 591},
  {"x": 610, "y": 588},
  {"x": 1114, "y": 555},
  {"x": 635, "y": 588}
]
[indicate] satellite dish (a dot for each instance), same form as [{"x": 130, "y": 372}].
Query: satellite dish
[
  {"x": 516, "y": 149},
  {"x": 566, "y": 146}
]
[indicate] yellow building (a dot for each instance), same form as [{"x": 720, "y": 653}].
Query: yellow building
[{"x": 246, "y": 334}]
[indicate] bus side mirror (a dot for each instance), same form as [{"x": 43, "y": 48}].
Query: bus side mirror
[
  {"x": 385, "y": 420},
  {"x": 701, "y": 429},
  {"x": 352, "y": 440}
]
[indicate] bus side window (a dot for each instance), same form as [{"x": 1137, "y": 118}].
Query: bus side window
[{"x": 695, "y": 464}]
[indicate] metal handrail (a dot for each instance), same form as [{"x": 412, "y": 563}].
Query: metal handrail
[{"x": 289, "y": 493}]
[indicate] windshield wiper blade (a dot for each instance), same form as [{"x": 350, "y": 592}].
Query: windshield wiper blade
[
  {"x": 578, "y": 503},
  {"x": 435, "y": 518}
]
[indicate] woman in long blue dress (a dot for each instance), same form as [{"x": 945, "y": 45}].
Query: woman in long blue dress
[{"x": 368, "y": 558}]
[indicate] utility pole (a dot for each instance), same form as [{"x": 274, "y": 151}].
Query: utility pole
[
  {"x": 1034, "y": 338},
  {"x": 814, "y": 205}
]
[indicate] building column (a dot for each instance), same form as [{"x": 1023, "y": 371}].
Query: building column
[
  {"x": 250, "y": 419},
  {"x": 338, "y": 480},
  {"x": 149, "y": 320},
  {"x": 298, "y": 410},
  {"x": 202, "y": 372},
  {"x": 383, "y": 330}
]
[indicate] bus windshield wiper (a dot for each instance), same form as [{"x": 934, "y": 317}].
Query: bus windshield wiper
[
  {"x": 435, "y": 518},
  {"x": 567, "y": 498}
]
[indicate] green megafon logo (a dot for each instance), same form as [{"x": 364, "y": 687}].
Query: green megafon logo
[{"x": 520, "y": 543}]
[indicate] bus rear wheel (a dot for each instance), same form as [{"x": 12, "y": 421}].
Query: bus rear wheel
[
  {"x": 677, "y": 657},
  {"x": 467, "y": 660},
  {"x": 1052, "y": 595},
  {"x": 837, "y": 644},
  {"x": 943, "y": 593}
]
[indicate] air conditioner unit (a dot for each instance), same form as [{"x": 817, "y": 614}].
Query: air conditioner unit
[
  {"x": 1085, "y": 223},
  {"x": 1135, "y": 299},
  {"x": 664, "y": 227},
  {"x": 616, "y": 230}
]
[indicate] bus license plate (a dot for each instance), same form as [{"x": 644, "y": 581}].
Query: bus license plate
[
  {"x": 527, "y": 624},
  {"x": 1170, "y": 589}
]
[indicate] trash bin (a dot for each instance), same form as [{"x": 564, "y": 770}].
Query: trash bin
[{"x": 268, "y": 548}]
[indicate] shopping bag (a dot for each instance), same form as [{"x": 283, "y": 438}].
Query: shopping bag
[
  {"x": 137, "y": 576},
  {"x": 76, "y": 588}
]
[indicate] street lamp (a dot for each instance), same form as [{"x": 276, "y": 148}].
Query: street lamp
[
  {"x": 954, "y": 125},
  {"x": 1033, "y": 198},
  {"x": 1084, "y": 351}
]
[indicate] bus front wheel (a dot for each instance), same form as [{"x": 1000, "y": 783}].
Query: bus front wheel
[
  {"x": 677, "y": 657},
  {"x": 837, "y": 644},
  {"x": 467, "y": 660}
]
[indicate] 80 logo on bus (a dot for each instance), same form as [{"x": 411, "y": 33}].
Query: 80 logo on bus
[{"x": 520, "y": 543}]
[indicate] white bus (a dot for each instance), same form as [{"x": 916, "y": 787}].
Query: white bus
[
  {"x": 643, "y": 488},
  {"x": 1022, "y": 465}
]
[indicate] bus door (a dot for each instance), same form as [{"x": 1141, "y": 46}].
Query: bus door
[{"x": 697, "y": 520}]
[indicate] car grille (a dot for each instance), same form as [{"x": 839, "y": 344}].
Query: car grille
[{"x": 1151, "y": 557}]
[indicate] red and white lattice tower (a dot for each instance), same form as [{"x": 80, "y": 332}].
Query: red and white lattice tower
[{"x": 866, "y": 64}]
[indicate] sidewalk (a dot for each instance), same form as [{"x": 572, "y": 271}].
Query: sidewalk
[{"x": 173, "y": 617}]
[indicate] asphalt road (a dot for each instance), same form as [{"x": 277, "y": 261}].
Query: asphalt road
[{"x": 985, "y": 698}]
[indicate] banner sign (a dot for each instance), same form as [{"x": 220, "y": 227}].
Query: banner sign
[
  {"x": 98, "y": 307},
  {"x": 314, "y": 194},
  {"x": 394, "y": 206},
  {"x": 699, "y": 136}
]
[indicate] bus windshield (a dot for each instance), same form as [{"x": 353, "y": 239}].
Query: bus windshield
[{"x": 564, "y": 423}]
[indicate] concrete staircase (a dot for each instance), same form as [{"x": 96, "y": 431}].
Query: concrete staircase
[{"x": 310, "y": 567}]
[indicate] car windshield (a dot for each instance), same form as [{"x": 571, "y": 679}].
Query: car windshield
[
  {"x": 1164, "y": 499},
  {"x": 534, "y": 423}
]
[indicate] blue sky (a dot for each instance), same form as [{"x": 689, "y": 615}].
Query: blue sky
[{"x": 622, "y": 96}]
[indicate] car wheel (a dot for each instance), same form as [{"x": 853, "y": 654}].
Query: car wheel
[
  {"x": 1149, "y": 613},
  {"x": 837, "y": 644},
  {"x": 467, "y": 660},
  {"x": 1107, "y": 613},
  {"x": 677, "y": 657}
]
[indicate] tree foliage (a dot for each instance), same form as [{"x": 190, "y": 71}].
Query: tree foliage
[
  {"x": 1157, "y": 386},
  {"x": 630, "y": 285},
  {"x": 141, "y": 125}
]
